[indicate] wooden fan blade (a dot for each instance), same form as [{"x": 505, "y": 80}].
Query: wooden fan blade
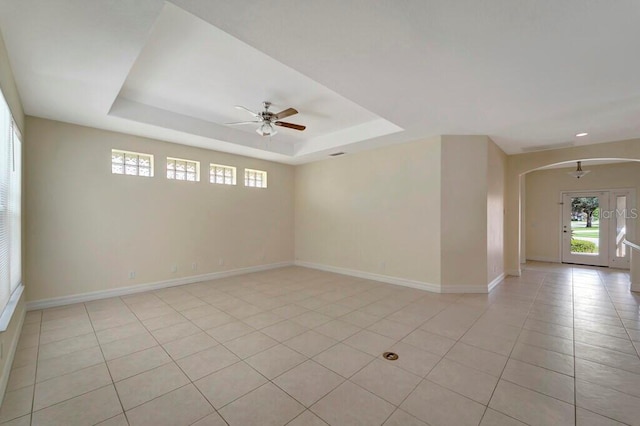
[
  {"x": 242, "y": 122},
  {"x": 246, "y": 109},
  {"x": 286, "y": 113},
  {"x": 290, "y": 125}
]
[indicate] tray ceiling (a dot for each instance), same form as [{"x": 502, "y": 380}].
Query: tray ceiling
[{"x": 362, "y": 74}]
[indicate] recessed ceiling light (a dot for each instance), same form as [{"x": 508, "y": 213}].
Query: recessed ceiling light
[{"x": 579, "y": 135}]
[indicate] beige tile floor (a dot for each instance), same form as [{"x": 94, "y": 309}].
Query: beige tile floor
[{"x": 557, "y": 346}]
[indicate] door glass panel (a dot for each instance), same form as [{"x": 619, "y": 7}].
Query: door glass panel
[
  {"x": 621, "y": 225},
  {"x": 585, "y": 226}
]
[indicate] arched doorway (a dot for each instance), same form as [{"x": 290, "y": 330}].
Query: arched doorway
[
  {"x": 581, "y": 220},
  {"x": 521, "y": 164}
]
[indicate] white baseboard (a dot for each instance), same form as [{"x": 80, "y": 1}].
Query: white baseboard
[
  {"x": 123, "y": 291},
  {"x": 464, "y": 288},
  {"x": 543, "y": 259},
  {"x": 11, "y": 352},
  {"x": 513, "y": 272},
  {"x": 476, "y": 289},
  {"x": 434, "y": 288},
  {"x": 495, "y": 282}
]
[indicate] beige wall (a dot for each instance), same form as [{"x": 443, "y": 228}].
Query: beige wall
[
  {"x": 427, "y": 211},
  {"x": 496, "y": 175},
  {"x": 518, "y": 165},
  {"x": 464, "y": 210},
  {"x": 376, "y": 211},
  {"x": 8, "y": 86},
  {"x": 472, "y": 218},
  {"x": 86, "y": 228},
  {"x": 543, "y": 213},
  {"x": 9, "y": 338}
]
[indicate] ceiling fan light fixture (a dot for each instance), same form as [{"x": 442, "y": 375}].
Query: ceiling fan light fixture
[
  {"x": 578, "y": 173},
  {"x": 266, "y": 129},
  {"x": 267, "y": 120}
]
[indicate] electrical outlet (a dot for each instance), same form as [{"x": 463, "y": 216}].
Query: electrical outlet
[
  {"x": 221, "y": 261},
  {"x": 132, "y": 275},
  {"x": 174, "y": 269},
  {"x": 194, "y": 266}
]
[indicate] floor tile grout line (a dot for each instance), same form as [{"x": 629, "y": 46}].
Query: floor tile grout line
[
  {"x": 73, "y": 397},
  {"x": 35, "y": 377},
  {"x": 112, "y": 417},
  {"x": 244, "y": 362},
  {"x": 175, "y": 360},
  {"x": 388, "y": 314},
  {"x": 108, "y": 369},
  {"x": 608, "y": 365},
  {"x": 575, "y": 379},
  {"x": 304, "y": 411},
  {"x": 619, "y": 317},
  {"x": 191, "y": 382},
  {"x": 258, "y": 372},
  {"x": 603, "y": 284},
  {"x": 540, "y": 285},
  {"x": 311, "y": 359},
  {"x": 605, "y": 416},
  {"x": 345, "y": 379},
  {"x": 485, "y": 309},
  {"x": 106, "y": 362}
]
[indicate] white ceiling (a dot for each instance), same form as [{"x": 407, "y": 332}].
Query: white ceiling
[{"x": 361, "y": 73}]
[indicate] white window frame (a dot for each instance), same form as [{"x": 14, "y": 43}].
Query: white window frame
[
  {"x": 213, "y": 176},
  {"x": 11, "y": 287},
  {"x": 124, "y": 165},
  {"x": 248, "y": 179},
  {"x": 186, "y": 173}
]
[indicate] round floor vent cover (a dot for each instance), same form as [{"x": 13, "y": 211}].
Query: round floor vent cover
[{"x": 391, "y": 356}]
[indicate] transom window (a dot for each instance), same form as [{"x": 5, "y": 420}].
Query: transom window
[
  {"x": 225, "y": 175},
  {"x": 131, "y": 163},
  {"x": 181, "y": 169},
  {"x": 255, "y": 178}
]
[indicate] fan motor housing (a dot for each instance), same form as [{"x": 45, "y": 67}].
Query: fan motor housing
[{"x": 266, "y": 116}]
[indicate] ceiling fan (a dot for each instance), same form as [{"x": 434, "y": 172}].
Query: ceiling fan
[{"x": 268, "y": 119}]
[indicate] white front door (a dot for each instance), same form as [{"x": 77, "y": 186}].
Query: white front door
[{"x": 585, "y": 228}]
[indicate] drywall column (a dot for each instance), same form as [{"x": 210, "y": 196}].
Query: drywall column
[
  {"x": 496, "y": 174},
  {"x": 512, "y": 222},
  {"x": 463, "y": 217}
]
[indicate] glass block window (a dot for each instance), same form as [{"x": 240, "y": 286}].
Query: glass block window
[
  {"x": 180, "y": 169},
  {"x": 255, "y": 178},
  {"x": 225, "y": 175},
  {"x": 131, "y": 163}
]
